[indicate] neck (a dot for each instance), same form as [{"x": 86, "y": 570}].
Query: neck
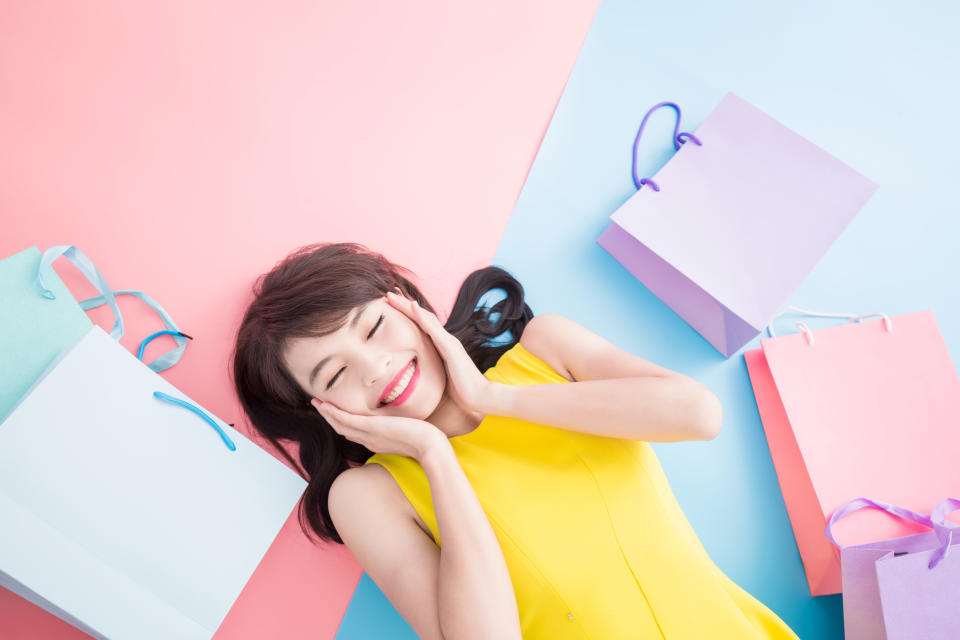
[{"x": 452, "y": 420}]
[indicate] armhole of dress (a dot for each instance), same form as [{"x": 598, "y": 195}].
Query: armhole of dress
[
  {"x": 412, "y": 506},
  {"x": 525, "y": 356}
]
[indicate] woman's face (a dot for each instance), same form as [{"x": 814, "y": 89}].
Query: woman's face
[{"x": 356, "y": 365}]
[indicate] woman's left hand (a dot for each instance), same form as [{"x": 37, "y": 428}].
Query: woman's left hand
[{"x": 465, "y": 383}]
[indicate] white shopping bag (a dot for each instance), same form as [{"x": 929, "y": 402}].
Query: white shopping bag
[{"x": 126, "y": 515}]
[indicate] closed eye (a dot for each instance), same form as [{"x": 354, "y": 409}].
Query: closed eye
[{"x": 369, "y": 335}]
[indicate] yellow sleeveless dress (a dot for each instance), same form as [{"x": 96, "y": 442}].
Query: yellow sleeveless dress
[{"x": 594, "y": 540}]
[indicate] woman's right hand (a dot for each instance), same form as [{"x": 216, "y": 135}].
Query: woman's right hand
[{"x": 381, "y": 434}]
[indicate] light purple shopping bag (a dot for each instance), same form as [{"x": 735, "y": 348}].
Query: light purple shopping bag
[
  {"x": 904, "y": 588},
  {"x": 732, "y": 224}
]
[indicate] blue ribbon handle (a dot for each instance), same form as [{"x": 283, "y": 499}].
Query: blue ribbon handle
[
  {"x": 91, "y": 273},
  {"x": 108, "y": 296},
  {"x": 200, "y": 412},
  {"x": 169, "y": 358}
]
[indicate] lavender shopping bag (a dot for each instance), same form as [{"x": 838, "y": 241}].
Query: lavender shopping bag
[
  {"x": 903, "y": 588},
  {"x": 727, "y": 230}
]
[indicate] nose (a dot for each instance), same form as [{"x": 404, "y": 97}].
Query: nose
[{"x": 379, "y": 370}]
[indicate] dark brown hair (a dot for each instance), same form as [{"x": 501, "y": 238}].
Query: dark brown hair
[{"x": 311, "y": 293}]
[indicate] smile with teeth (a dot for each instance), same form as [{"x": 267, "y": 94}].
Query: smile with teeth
[{"x": 401, "y": 385}]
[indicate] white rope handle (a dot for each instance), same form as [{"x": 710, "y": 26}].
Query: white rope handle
[{"x": 809, "y": 334}]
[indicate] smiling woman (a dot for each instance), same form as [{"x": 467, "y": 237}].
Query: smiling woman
[
  {"x": 320, "y": 327},
  {"x": 320, "y": 347},
  {"x": 495, "y": 479}
]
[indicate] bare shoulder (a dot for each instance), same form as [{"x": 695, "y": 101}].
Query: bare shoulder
[
  {"x": 543, "y": 337},
  {"x": 371, "y": 486},
  {"x": 577, "y": 353},
  {"x": 367, "y": 484}
]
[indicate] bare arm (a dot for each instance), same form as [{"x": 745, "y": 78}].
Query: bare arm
[
  {"x": 475, "y": 595},
  {"x": 611, "y": 392},
  {"x": 651, "y": 408}
]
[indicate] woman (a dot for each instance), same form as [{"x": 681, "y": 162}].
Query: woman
[{"x": 523, "y": 501}]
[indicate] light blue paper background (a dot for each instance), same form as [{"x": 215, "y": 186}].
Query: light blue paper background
[{"x": 873, "y": 83}]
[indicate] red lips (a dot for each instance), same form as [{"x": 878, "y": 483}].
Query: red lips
[{"x": 395, "y": 380}]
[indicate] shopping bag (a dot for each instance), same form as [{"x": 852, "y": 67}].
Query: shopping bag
[
  {"x": 866, "y": 408},
  {"x": 903, "y": 588},
  {"x": 128, "y": 510},
  {"x": 727, "y": 230},
  {"x": 39, "y": 317}
]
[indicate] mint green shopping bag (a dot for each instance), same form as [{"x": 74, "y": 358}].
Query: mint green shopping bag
[
  {"x": 33, "y": 329},
  {"x": 39, "y": 317}
]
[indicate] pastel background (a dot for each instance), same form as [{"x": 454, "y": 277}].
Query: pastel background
[
  {"x": 186, "y": 148},
  {"x": 866, "y": 81}
]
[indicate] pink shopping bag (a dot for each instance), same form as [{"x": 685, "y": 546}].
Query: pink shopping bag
[
  {"x": 903, "y": 588},
  {"x": 727, "y": 230},
  {"x": 871, "y": 408}
]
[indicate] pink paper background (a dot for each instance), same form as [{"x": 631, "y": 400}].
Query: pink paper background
[{"x": 186, "y": 147}]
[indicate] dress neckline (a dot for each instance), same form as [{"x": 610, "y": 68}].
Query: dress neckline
[
  {"x": 515, "y": 347},
  {"x": 472, "y": 431}
]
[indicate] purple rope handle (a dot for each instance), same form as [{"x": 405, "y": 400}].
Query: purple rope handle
[
  {"x": 945, "y": 532},
  {"x": 935, "y": 521},
  {"x": 678, "y": 139}
]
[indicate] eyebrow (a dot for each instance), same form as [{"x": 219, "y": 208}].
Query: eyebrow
[{"x": 353, "y": 326}]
